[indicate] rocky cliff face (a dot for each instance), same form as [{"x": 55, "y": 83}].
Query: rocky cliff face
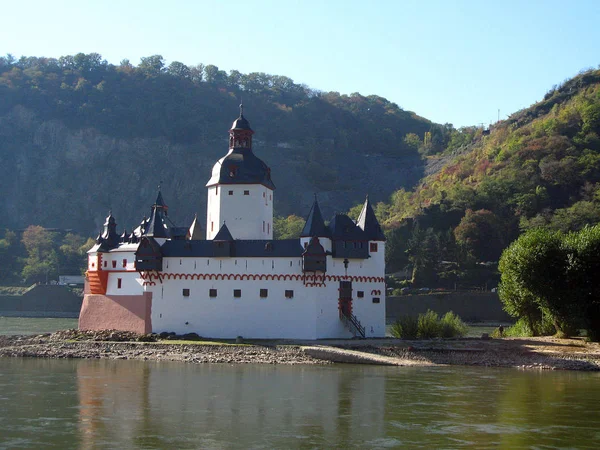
[{"x": 59, "y": 177}]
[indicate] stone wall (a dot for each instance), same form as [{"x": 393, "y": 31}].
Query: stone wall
[
  {"x": 42, "y": 301},
  {"x": 470, "y": 306}
]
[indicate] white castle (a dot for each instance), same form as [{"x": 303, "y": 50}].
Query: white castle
[{"x": 238, "y": 281}]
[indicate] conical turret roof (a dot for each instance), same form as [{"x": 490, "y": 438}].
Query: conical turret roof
[
  {"x": 195, "y": 231},
  {"x": 224, "y": 234},
  {"x": 315, "y": 225},
  {"x": 368, "y": 222}
]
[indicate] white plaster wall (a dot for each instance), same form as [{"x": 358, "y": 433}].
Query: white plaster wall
[
  {"x": 131, "y": 283},
  {"x": 225, "y": 316},
  {"x": 213, "y": 217},
  {"x": 311, "y": 314},
  {"x": 243, "y": 214},
  {"x": 316, "y": 317}
]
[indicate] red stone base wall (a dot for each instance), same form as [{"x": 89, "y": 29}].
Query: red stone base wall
[{"x": 117, "y": 312}]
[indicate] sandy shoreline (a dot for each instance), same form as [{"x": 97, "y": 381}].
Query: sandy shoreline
[{"x": 525, "y": 353}]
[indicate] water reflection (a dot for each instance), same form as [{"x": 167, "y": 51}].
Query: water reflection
[
  {"x": 129, "y": 404},
  {"x": 213, "y": 405}
]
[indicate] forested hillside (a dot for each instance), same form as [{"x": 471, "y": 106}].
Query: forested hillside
[
  {"x": 80, "y": 136},
  {"x": 539, "y": 168}
]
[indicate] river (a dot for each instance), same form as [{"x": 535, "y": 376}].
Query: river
[{"x": 134, "y": 404}]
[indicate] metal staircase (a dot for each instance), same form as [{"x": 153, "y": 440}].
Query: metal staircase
[{"x": 353, "y": 324}]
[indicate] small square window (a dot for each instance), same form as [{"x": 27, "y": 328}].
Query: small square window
[
  {"x": 376, "y": 300},
  {"x": 360, "y": 294},
  {"x": 289, "y": 293},
  {"x": 237, "y": 293},
  {"x": 186, "y": 292},
  {"x": 264, "y": 293},
  {"x": 230, "y": 192},
  {"x": 212, "y": 292},
  {"x": 373, "y": 247},
  {"x": 119, "y": 282},
  {"x": 93, "y": 264},
  {"x": 246, "y": 192},
  {"x": 114, "y": 264}
]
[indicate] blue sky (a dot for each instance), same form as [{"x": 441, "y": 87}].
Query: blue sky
[{"x": 449, "y": 61}]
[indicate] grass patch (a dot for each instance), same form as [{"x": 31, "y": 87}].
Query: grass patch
[
  {"x": 429, "y": 326},
  {"x": 12, "y": 290}
]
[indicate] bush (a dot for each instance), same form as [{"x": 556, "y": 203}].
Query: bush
[
  {"x": 406, "y": 327},
  {"x": 452, "y": 326},
  {"x": 428, "y": 326},
  {"x": 522, "y": 328}
]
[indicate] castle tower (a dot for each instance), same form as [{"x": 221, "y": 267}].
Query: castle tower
[{"x": 240, "y": 190}]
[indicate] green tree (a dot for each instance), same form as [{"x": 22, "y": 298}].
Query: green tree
[
  {"x": 423, "y": 254},
  {"x": 152, "y": 65},
  {"x": 288, "y": 227},
  {"x": 481, "y": 234},
  {"x": 583, "y": 270},
  {"x": 41, "y": 264},
  {"x": 534, "y": 281},
  {"x": 72, "y": 254},
  {"x": 9, "y": 253}
]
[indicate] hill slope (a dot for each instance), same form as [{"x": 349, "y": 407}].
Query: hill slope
[
  {"x": 79, "y": 136},
  {"x": 541, "y": 167}
]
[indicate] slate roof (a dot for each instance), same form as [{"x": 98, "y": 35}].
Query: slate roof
[
  {"x": 195, "y": 231},
  {"x": 241, "y": 249},
  {"x": 108, "y": 238},
  {"x": 315, "y": 225},
  {"x": 156, "y": 226},
  {"x": 367, "y": 221},
  {"x": 223, "y": 235},
  {"x": 241, "y": 123},
  {"x": 159, "y": 201},
  {"x": 241, "y": 166},
  {"x": 343, "y": 228}
]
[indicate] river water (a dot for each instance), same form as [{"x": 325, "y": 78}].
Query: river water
[{"x": 133, "y": 404}]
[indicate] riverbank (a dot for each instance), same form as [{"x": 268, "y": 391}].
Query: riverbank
[{"x": 525, "y": 353}]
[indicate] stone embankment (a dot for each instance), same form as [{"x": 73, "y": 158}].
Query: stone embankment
[{"x": 525, "y": 353}]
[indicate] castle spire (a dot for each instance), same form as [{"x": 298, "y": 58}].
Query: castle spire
[
  {"x": 109, "y": 237},
  {"x": 240, "y": 134},
  {"x": 367, "y": 221},
  {"x": 315, "y": 225},
  {"x": 157, "y": 226}
]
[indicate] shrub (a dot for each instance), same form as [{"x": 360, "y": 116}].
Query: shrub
[
  {"x": 452, "y": 326},
  {"x": 406, "y": 327},
  {"x": 521, "y": 328},
  {"x": 428, "y": 326}
]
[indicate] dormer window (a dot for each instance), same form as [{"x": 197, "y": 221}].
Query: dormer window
[{"x": 268, "y": 247}]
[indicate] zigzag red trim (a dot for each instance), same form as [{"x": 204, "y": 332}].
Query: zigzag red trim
[{"x": 312, "y": 279}]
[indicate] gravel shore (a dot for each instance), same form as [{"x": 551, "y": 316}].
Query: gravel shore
[{"x": 526, "y": 353}]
